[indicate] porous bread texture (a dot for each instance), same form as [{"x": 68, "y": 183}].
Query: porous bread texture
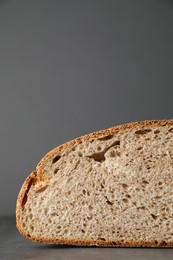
[{"x": 110, "y": 188}]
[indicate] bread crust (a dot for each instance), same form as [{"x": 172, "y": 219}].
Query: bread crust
[{"x": 39, "y": 175}]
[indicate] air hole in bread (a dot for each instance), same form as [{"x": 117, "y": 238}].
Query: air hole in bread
[
  {"x": 125, "y": 186},
  {"x": 80, "y": 154},
  {"x": 56, "y": 170},
  {"x": 68, "y": 192},
  {"x": 158, "y": 197},
  {"x": 139, "y": 148},
  {"x": 54, "y": 214},
  {"x": 102, "y": 186},
  {"x": 108, "y": 201},
  {"x": 142, "y": 131},
  {"x": 154, "y": 216},
  {"x": 99, "y": 148},
  {"x": 88, "y": 193},
  {"x": 24, "y": 200},
  {"x": 143, "y": 208},
  {"x": 115, "y": 144},
  {"x": 31, "y": 227},
  {"x": 101, "y": 238},
  {"x": 156, "y": 131},
  {"x": 66, "y": 231},
  {"x": 42, "y": 189},
  {"x": 90, "y": 207},
  {"x": 163, "y": 243},
  {"x": 108, "y": 137},
  {"x": 145, "y": 182},
  {"x": 100, "y": 156},
  {"x": 170, "y": 130},
  {"x": 56, "y": 158},
  {"x": 25, "y": 197}
]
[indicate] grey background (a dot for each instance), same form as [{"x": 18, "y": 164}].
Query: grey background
[{"x": 68, "y": 68}]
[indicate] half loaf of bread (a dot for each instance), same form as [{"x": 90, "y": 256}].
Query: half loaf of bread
[{"x": 109, "y": 188}]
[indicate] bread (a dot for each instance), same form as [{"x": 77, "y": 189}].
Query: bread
[{"x": 109, "y": 188}]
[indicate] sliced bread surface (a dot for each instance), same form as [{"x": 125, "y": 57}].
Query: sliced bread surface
[{"x": 110, "y": 188}]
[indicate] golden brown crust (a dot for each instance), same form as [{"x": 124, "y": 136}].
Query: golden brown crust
[
  {"x": 100, "y": 243},
  {"x": 24, "y": 189},
  {"x": 40, "y": 175}
]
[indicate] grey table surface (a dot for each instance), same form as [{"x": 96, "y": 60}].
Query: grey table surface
[{"x": 14, "y": 246}]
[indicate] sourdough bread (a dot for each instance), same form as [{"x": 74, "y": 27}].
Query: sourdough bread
[{"x": 109, "y": 188}]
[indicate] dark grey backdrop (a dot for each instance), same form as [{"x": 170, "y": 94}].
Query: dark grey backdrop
[{"x": 68, "y": 68}]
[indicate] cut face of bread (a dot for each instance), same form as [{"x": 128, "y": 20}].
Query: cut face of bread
[{"x": 110, "y": 188}]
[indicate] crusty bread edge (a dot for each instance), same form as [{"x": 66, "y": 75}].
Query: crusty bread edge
[{"x": 38, "y": 175}]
